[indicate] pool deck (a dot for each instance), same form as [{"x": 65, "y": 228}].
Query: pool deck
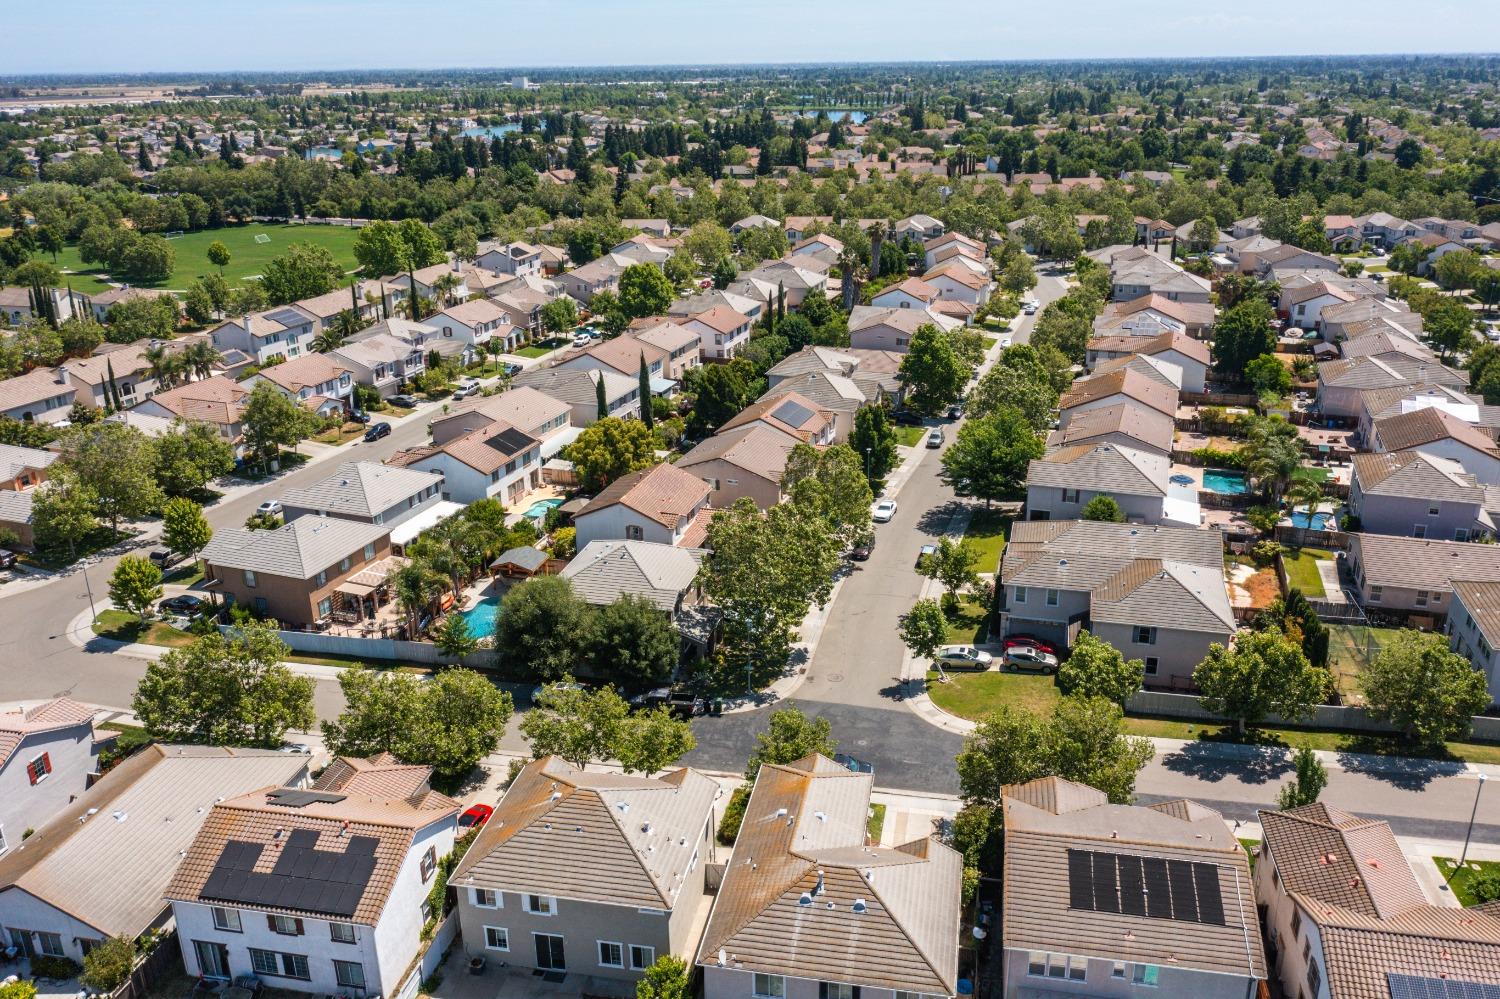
[{"x": 516, "y": 512}]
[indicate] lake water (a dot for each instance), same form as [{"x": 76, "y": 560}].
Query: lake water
[{"x": 855, "y": 117}]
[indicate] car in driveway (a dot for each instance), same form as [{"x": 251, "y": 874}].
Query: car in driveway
[
  {"x": 1029, "y": 659},
  {"x": 962, "y": 657},
  {"x": 377, "y": 431},
  {"x": 1012, "y": 641},
  {"x": 184, "y": 604},
  {"x": 359, "y": 416},
  {"x": 466, "y": 388},
  {"x": 405, "y": 401},
  {"x": 8, "y": 558},
  {"x": 582, "y": 339},
  {"x": 883, "y": 511},
  {"x": 270, "y": 508},
  {"x": 474, "y": 817},
  {"x": 511, "y": 369}
]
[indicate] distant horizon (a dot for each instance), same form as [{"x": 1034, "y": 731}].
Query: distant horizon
[{"x": 100, "y": 39}]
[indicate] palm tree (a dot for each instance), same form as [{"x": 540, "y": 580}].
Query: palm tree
[
  {"x": 164, "y": 364},
  {"x": 201, "y": 357},
  {"x": 415, "y": 587},
  {"x": 329, "y": 338},
  {"x": 442, "y": 559},
  {"x": 1306, "y": 492},
  {"x": 443, "y": 287},
  {"x": 852, "y": 269}
]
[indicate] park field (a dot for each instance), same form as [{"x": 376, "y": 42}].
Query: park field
[{"x": 247, "y": 258}]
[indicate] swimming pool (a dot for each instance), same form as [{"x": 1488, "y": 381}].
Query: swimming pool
[
  {"x": 1320, "y": 521},
  {"x": 539, "y": 509},
  {"x": 481, "y": 617},
  {"x": 1219, "y": 480}
]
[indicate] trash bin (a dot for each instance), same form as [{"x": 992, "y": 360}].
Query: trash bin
[{"x": 716, "y": 707}]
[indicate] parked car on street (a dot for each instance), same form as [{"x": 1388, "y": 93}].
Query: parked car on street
[
  {"x": 861, "y": 553},
  {"x": 923, "y": 552},
  {"x": 466, "y": 388},
  {"x": 935, "y": 437},
  {"x": 883, "y": 511},
  {"x": 682, "y": 703},
  {"x": 511, "y": 369},
  {"x": 1029, "y": 307},
  {"x": 377, "y": 431},
  {"x": 962, "y": 657},
  {"x": 1028, "y": 658},
  {"x": 405, "y": 401},
  {"x": 163, "y": 557},
  {"x": 8, "y": 558}
]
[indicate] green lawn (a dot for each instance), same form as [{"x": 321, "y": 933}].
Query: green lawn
[
  {"x": 967, "y": 623},
  {"x": 875, "y": 823},
  {"x": 1311, "y": 472},
  {"x": 1302, "y": 570},
  {"x": 121, "y": 626},
  {"x": 185, "y": 574},
  {"x": 541, "y": 349},
  {"x": 247, "y": 258},
  {"x": 341, "y": 435},
  {"x": 986, "y": 533},
  {"x": 1460, "y": 879},
  {"x": 974, "y": 695},
  {"x": 990, "y": 341},
  {"x": 1251, "y": 845},
  {"x": 1350, "y": 648},
  {"x": 910, "y": 436}
]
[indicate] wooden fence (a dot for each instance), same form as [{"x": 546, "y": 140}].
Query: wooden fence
[{"x": 157, "y": 966}]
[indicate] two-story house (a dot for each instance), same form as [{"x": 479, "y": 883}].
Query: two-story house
[
  {"x": 664, "y": 504},
  {"x": 579, "y": 389},
  {"x": 496, "y": 460},
  {"x": 791, "y": 413},
  {"x": 286, "y": 332},
  {"x": 1406, "y": 576},
  {"x": 1473, "y": 628},
  {"x": 745, "y": 461},
  {"x": 295, "y": 574},
  {"x": 42, "y": 395},
  {"x": 891, "y": 327},
  {"x": 809, "y": 908},
  {"x": 526, "y": 409},
  {"x": 602, "y": 274},
  {"x": 589, "y": 872},
  {"x": 722, "y": 332},
  {"x": 312, "y": 380},
  {"x": 472, "y": 322},
  {"x": 321, "y": 891},
  {"x": 47, "y": 754},
  {"x": 382, "y": 362},
  {"x": 368, "y": 492},
  {"x": 517, "y": 259},
  {"x": 1439, "y": 422},
  {"x": 22, "y": 469},
  {"x": 682, "y": 345},
  {"x": 1061, "y": 483},
  {"x": 218, "y": 401},
  {"x": 622, "y": 355},
  {"x": 1418, "y": 495},
  {"x": 1122, "y": 900}
]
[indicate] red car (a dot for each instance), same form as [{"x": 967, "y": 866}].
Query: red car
[
  {"x": 476, "y": 816},
  {"x": 1011, "y": 641}
]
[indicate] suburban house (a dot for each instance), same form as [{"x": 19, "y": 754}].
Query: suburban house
[
  {"x": 133, "y": 824},
  {"x": 517, "y": 259},
  {"x": 664, "y": 575},
  {"x": 1137, "y": 271},
  {"x": 1122, "y": 386},
  {"x": 299, "y": 573},
  {"x": 791, "y": 414},
  {"x": 42, "y": 395},
  {"x": 22, "y": 469},
  {"x": 1418, "y": 495},
  {"x": 1340, "y": 382},
  {"x": 472, "y": 322},
  {"x": 1340, "y": 321},
  {"x": 948, "y": 245},
  {"x": 601, "y": 274},
  {"x": 125, "y": 366},
  {"x": 623, "y": 355},
  {"x": 747, "y": 305},
  {"x": 722, "y": 332},
  {"x": 327, "y": 308},
  {"x": 810, "y": 909},
  {"x": 1407, "y": 576},
  {"x": 48, "y": 754},
  {"x": 218, "y": 401},
  {"x": 664, "y": 504},
  {"x": 1155, "y": 593},
  {"x": 1152, "y": 315},
  {"x": 873, "y": 375},
  {"x": 682, "y": 345},
  {"x": 1108, "y": 900},
  {"x": 753, "y": 222},
  {"x": 285, "y": 331},
  {"x": 1345, "y": 916},
  {"x": 321, "y": 891},
  {"x": 1123, "y": 424},
  {"x": 746, "y": 461},
  {"x": 370, "y": 493},
  {"x": 956, "y": 283},
  {"x": 579, "y": 389},
  {"x": 796, "y": 278},
  {"x": 913, "y": 293},
  {"x": 522, "y": 302},
  {"x": 892, "y": 327},
  {"x": 312, "y": 380},
  {"x": 383, "y": 362},
  {"x": 1190, "y": 356},
  {"x": 589, "y": 872},
  {"x": 1061, "y": 483},
  {"x": 1304, "y": 306},
  {"x": 1446, "y": 430},
  {"x": 1473, "y": 628},
  {"x": 496, "y": 460},
  {"x": 529, "y": 411},
  {"x": 425, "y": 281}
]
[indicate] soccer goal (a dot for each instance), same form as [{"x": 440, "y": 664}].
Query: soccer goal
[{"x": 262, "y": 237}]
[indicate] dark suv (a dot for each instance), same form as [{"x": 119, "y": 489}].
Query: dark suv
[{"x": 682, "y": 703}]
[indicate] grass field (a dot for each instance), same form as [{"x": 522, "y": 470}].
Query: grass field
[
  {"x": 966, "y": 624},
  {"x": 1460, "y": 879},
  {"x": 986, "y": 533},
  {"x": 541, "y": 348},
  {"x": 974, "y": 695},
  {"x": 1302, "y": 570},
  {"x": 247, "y": 258},
  {"x": 125, "y": 627}
]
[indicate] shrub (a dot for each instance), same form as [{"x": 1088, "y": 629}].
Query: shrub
[
  {"x": 18, "y": 990},
  {"x": 46, "y": 966},
  {"x": 734, "y": 814},
  {"x": 1265, "y": 552},
  {"x": 1485, "y": 886},
  {"x": 106, "y": 967},
  {"x": 1213, "y": 457}
]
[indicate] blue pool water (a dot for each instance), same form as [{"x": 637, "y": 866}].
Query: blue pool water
[
  {"x": 481, "y": 617},
  {"x": 853, "y": 117},
  {"x": 540, "y": 507},
  {"x": 1217, "y": 480},
  {"x": 1319, "y": 522}
]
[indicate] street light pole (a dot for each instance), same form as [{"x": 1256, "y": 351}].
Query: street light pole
[
  {"x": 90, "y": 591},
  {"x": 1465, "y": 855},
  {"x": 867, "y": 462}
]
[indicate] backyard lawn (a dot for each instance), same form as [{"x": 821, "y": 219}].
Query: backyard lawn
[
  {"x": 875, "y": 823},
  {"x": 1302, "y": 570},
  {"x": 986, "y": 534},
  {"x": 1311, "y": 472},
  {"x": 247, "y": 258},
  {"x": 1461, "y": 879}
]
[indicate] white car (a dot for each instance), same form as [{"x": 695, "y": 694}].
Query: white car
[
  {"x": 1029, "y": 308},
  {"x": 466, "y": 388},
  {"x": 271, "y": 508},
  {"x": 883, "y": 511},
  {"x": 582, "y": 339},
  {"x": 962, "y": 657}
]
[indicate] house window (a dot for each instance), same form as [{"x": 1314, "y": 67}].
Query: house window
[
  {"x": 633, "y": 532},
  {"x": 1419, "y": 530},
  {"x": 285, "y": 925},
  {"x": 250, "y": 578},
  {"x": 323, "y": 577},
  {"x": 429, "y": 863},
  {"x": 1375, "y": 592},
  {"x": 1117, "y": 970},
  {"x": 345, "y": 563},
  {"x": 1036, "y": 964},
  {"x": 325, "y": 606},
  {"x": 1421, "y": 598},
  {"x": 541, "y": 905},
  {"x": 837, "y": 990},
  {"x": 341, "y": 932},
  {"x": 1020, "y": 594},
  {"x": 3, "y": 847},
  {"x": 1432, "y": 510},
  {"x": 611, "y": 955},
  {"x": 1296, "y": 922},
  {"x": 641, "y": 958},
  {"x": 1151, "y": 663},
  {"x": 1070, "y": 496},
  {"x": 1051, "y": 598},
  {"x": 1145, "y": 635},
  {"x": 484, "y": 898},
  {"x": 768, "y": 986},
  {"x": 369, "y": 552},
  {"x": 1145, "y": 974},
  {"x": 227, "y": 920},
  {"x": 51, "y": 943},
  {"x": 269, "y": 962},
  {"x": 38, "y": 769},
  {"x": 496, "y": 938},
  {"x": 1314, "y": 977},
  {"x": 349, "y": 974},
  {"x": 1461, "y": 534}
]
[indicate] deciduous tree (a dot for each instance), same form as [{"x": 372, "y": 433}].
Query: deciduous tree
[
  {"x": 1094, "y": 668},
  {"x": 873, "y": 441},
  {"x": 645, "y": 291},
  {"x": 303, "y": 271},
  {"x": 610, "y": 448},
  {"x": 634, "y": 643},
  {"x": 990, "y": 456},
  {"x": 1429, "y": 693},
  {"x": 1263, "y": 673},
  {"x": 932, "y": 370},
  {"x": 788, "y": 737},
  {"x": 544, "y": 628},
  {"x": 135, "y": 586},
  {"x": 924, "y": 629},
  {"x": 184, "y": 528}
]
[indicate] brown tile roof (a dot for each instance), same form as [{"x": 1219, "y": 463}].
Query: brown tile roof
[
  {"x": 1415, "y": 475},
  {"x": 663, "y": 492},
  {"x": 1131, "y": 384},
  {"x": 770, "y": 410},
  {"x": 487, "y": 448},
  {"x": 34, "y": 387},
  {"x": 804, "y": 837},
  {"x": 49, "y": 716},
  {"x": 380, "y": 776},
  {"x": 253, "y": 818},
  {"x": 593, "y": 836},
  {"x": 1191, "y": 313},
  {"x": 758, "y": 449},
  {"x": 306, "y": 371},
  {"x": 1429, "y": 424},
  {"x": 1330, "y": 855},
  {"x": 215, "y": 400},
  {"x": 722, "y": 319}
]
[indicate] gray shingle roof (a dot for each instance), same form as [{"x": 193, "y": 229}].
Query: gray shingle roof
[
  {"x": 362, "y": 488},
  {"x": 298, "y": 550},
  {"x": 606, "y": 570},
  {"x": 1105, "y": 468},
  {"x": 1420, "y": 563}
]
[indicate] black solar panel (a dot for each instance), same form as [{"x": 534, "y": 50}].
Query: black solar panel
[
  {"x": 510, "y": 441},
  {"x": 304, "y": 878},
  {"x": 1145, "y": 886},
  {"x": 293, "y": 798},
  {"x": 792, "y": 413},
  {"x": 287, "y": 317},
  {"x": 1412, "y": 987}
]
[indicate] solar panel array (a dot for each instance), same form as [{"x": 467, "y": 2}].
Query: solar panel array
[
  {"x": 289, "y": 797},
  {"x": 1413, "y": 987},
  {"x": 792, "y": 413},
  {"x": 510, "y": 441},
  {"x": 304, "y": 878},
  {"x": 287, "y": 317},
  {"x": 1145, "y": 886}
]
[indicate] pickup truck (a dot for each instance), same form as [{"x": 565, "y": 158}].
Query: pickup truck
[{"x": 682, "y": 703}]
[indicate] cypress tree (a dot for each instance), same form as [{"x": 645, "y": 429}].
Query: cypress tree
[
  {"x": 647, "y": 417},
  {"x": 780, "y": 301},
  {"x": 599, "y": 397}
]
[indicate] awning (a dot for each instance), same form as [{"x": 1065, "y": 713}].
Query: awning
[
  {"x": 407, "y": 530},
  {"x": 560, "y": 440},
  {"x": 662, "y": 386},
  {"x": 354, "y": 589}
]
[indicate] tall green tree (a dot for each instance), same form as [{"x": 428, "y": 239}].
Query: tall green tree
[
  {"x": 932, "y": 371},
  {"x": 135, "y": 586},
  {"x": 1027, "y": 390},
  {"x": 610, "y": 448},
  {"x": 271, "y": 421},
  {"x": 990, "y": 456},
  {"x": 1311, "y": 777},
  {"x": 190, "y": 456},
  {"x": 1263, "y": 673},
  {"x": 218, "y": 255},
  {"x": 924, "y": 629},
  {"x": 790, "y": 735},
  {"x": 634, "y": 643},
  {"x": 184, "y": 528},
  {"x": 63, "y": 512},
  {"x": 955, "y": 565},
  {"x": 831, "y": 485},
  {"x": 582, "y": 726},
  {"x": 1094, "y": 668},
  {"x": 873, "y": 441},
  {"x": 119, "y": 465},
  {"x": 303, "y": 271},
  {"x": 543, "y": 628},
  {"x": 643, "y": 377},
  {"x": 1429, "y": 693},
  {"x": 645, "y": 291},
  {"x": 1242, "y": 334},
  {"x": 667, "y": 978}
]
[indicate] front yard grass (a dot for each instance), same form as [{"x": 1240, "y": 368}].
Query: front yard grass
[
  {"x": 540, "y": 349},
  {"x": 1302, "y": 570},
  {"x": 968, "y": 622},
  {"x": 122, "y": 626},
  {"x": 96, "y": 540},
  {"x": 975, "y": 695},
  {"x": 1461, "y": 879},
  {"x": 341, "y": 435},
  {"x": 910, "y": 436},
  {"x": 986, "y": 533}
]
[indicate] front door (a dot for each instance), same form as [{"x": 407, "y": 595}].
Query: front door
[
  {"x": 213, "y": 959},
  {"x": 549, "y": 952}
]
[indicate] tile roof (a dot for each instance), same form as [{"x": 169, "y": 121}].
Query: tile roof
[
  {"x": 1083, "y": 554},
  {"x": 664, "y": 493},
  {"x": 379, "y": 776},
  {"x": 592, "y": 836},
  {"x": 299, "y": 550},
  {"x": 1421, "y": 563},
  {"x": 1387, "y": 372},
  {"x": 1043, "y": 824},
  {"x": 789, "y": 412},
  {"x": 37, "y": 385},
  {"x": 758, "y": 449},
  {"x": 721, "y": 319},
  {"x": 216, "y": 400},
  {"x": 804, "y": 836},
  {"x": 362, "y": 488},
  {"x": 1482, "y": 600},
  {"x": 607, "y": 570},
  {"x": 307, "y": 371},
  {"x": 367, "y": 811},
  {"x": 144, "y": 813},
  {"x": 50, "y": 716},
  {"x": 1149, "y": 426},
  {"x": 523, "y": 407},
  {"x": 15, "y": 459},
  {"x": 1165, "y": 594},
  {"x": 1126, "y": 382},
  {"x": 1429, "y": 425},
  {"x": 574, "y": 386},
  {"x": 487, "y": 449},
  {"x": 1102, "y": 467}
]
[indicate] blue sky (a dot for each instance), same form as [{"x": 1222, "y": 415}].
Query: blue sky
[{"x": 148, "y": 35}]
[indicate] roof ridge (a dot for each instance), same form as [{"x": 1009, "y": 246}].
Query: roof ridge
[{"x": 629, "y": 846}]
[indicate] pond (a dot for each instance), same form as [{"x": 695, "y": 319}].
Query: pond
[
  {"x": 481, "y": 617},
  {"x": 1221, "y": 480}
]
